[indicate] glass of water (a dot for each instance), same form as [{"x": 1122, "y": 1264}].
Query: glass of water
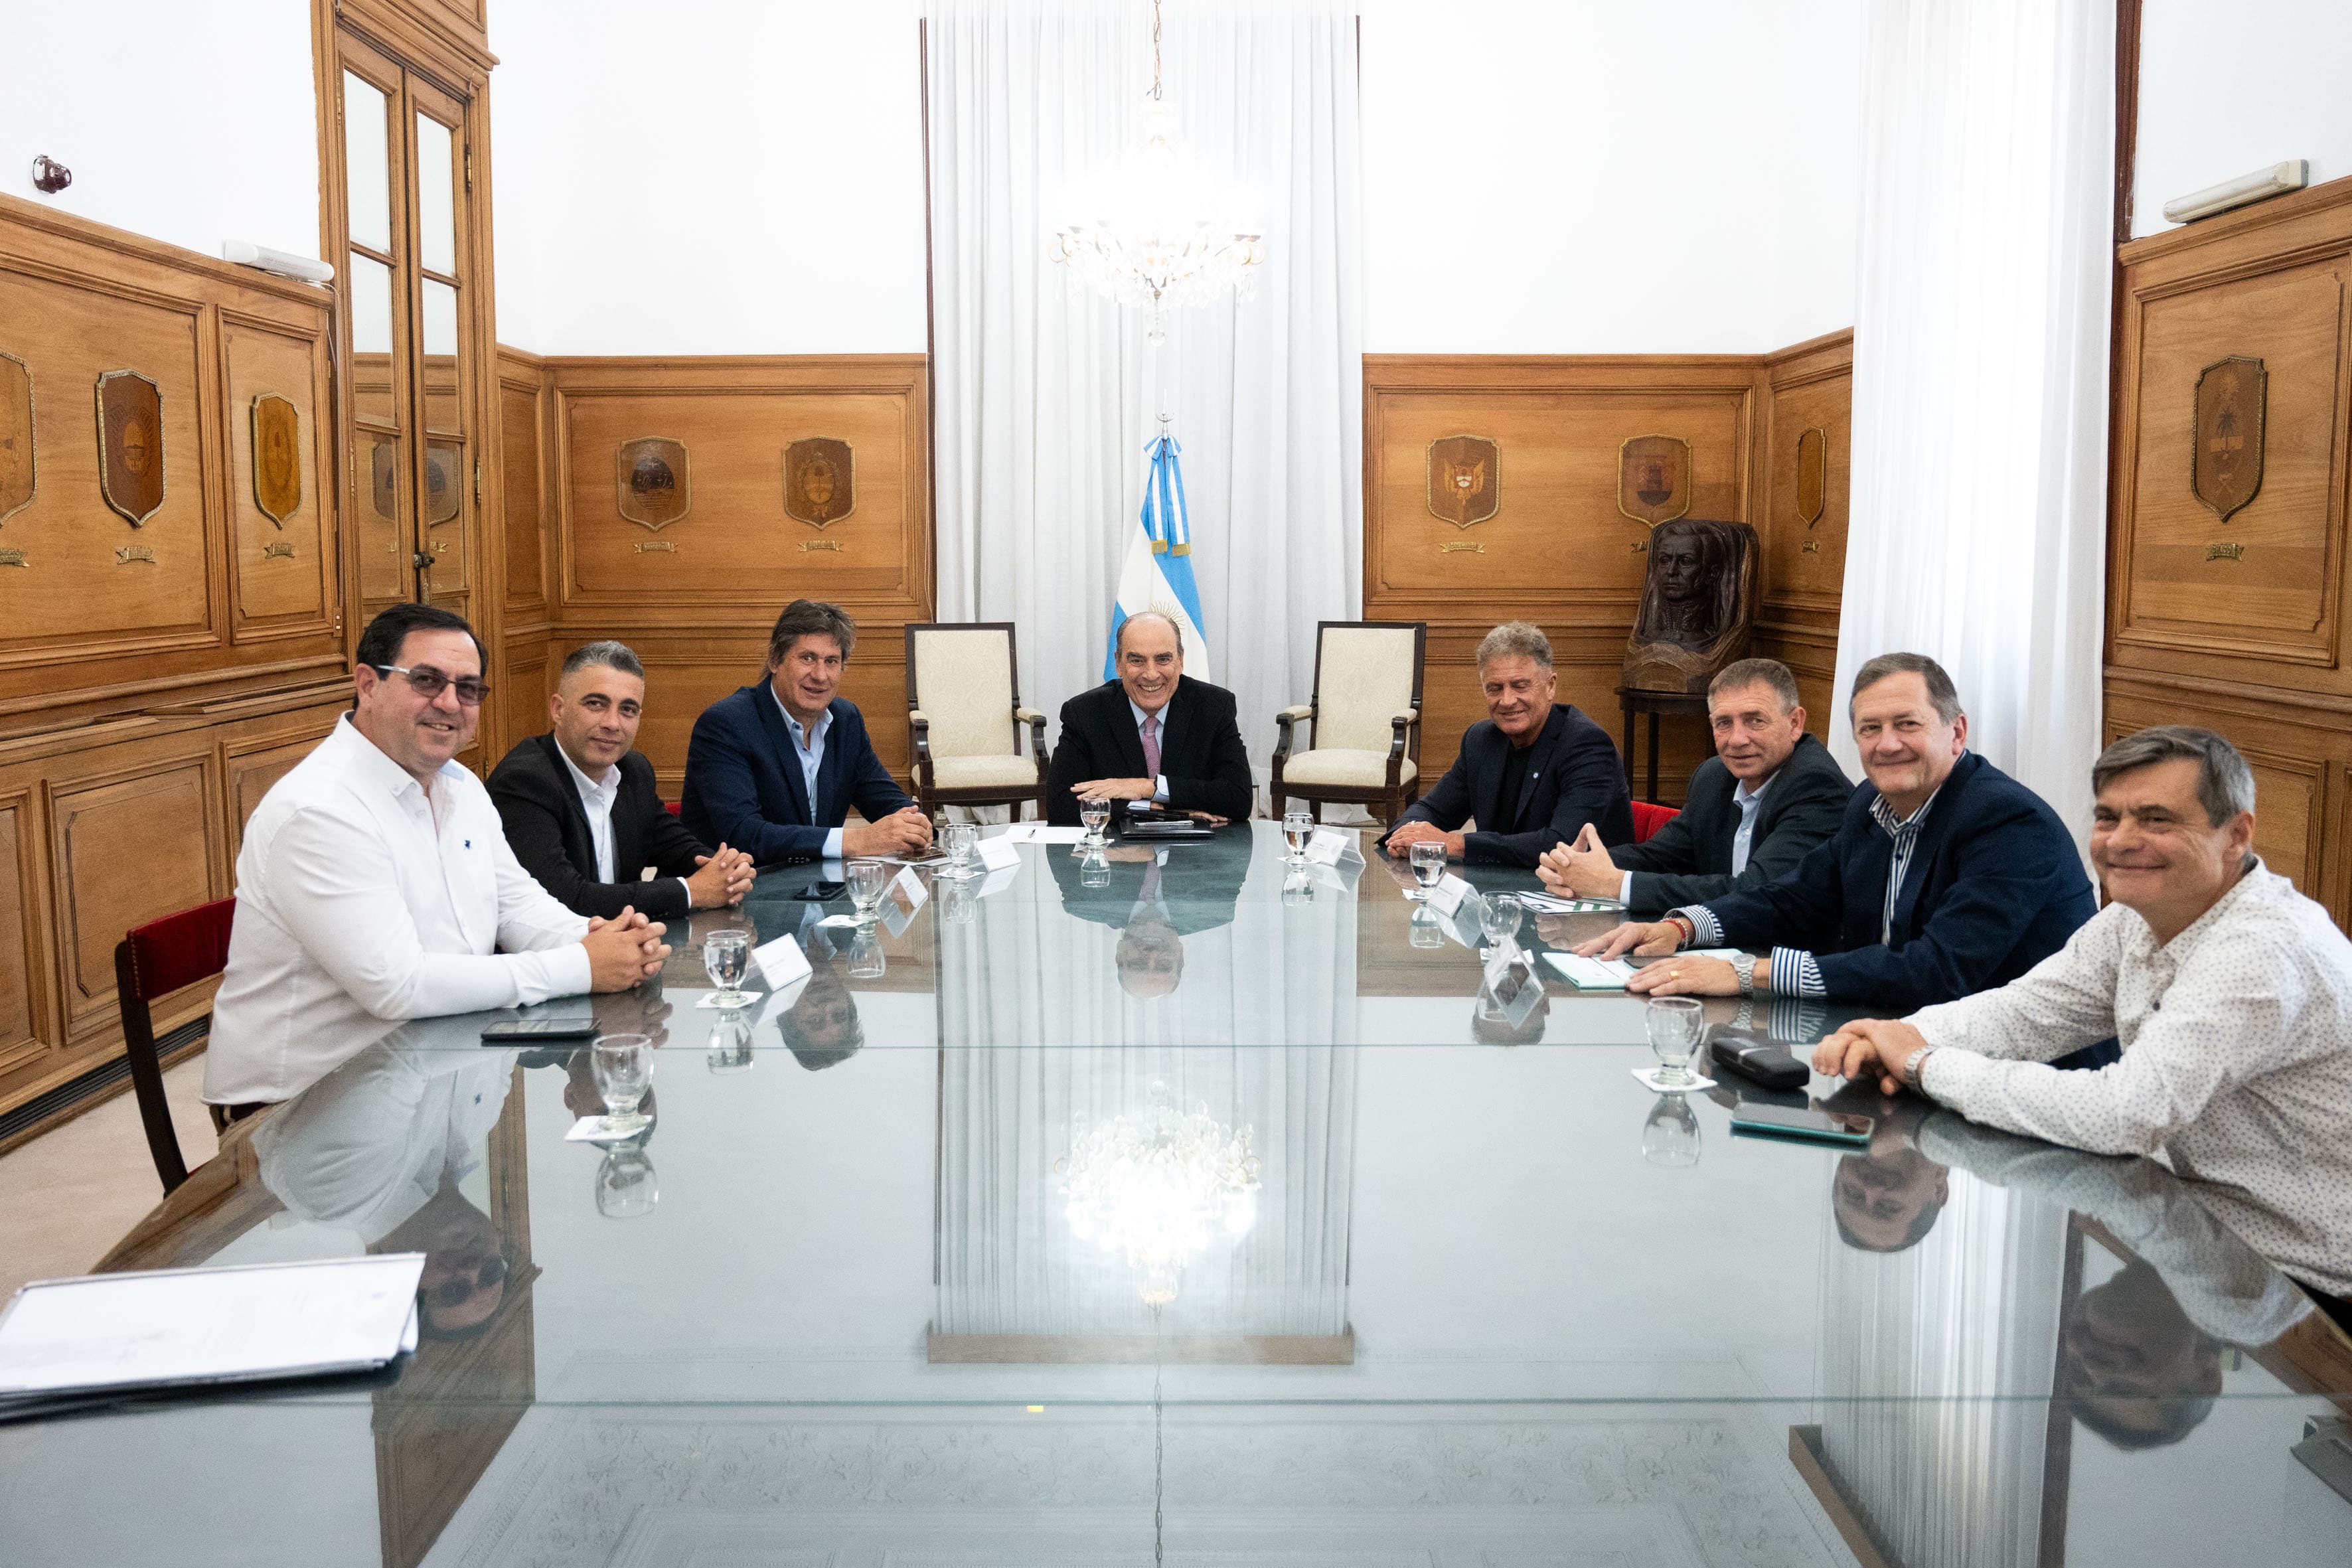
[
  {"x": 1093, "y": 869},
  {"x": 1428, "y": 862},
  {"x": 1670, "y": 1137},
  {"x": 1298, "y": 827},
  {"x": 866, "y": 959},
  {"x": 625, "y": 1071},
  {"x": 726, "y": 958},
  {"x": 625, "y": 1187},
  {"x": 730, "y": 1045},
  {"x": 1500, "y": 920},
  {"x": 1095, "y": 814},
  {"x": 867, "y": 882},
  {"x": 962, "y": 842},
  {"x": 1676, "y": 1024},
  {"x": 1424, "y": 929}
]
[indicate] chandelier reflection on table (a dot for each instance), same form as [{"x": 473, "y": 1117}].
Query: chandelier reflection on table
[
  {"x": 1153, "y": 1186},
  {"x": 1157, "y": 230}
]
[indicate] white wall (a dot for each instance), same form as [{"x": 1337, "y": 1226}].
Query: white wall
[
  {"x": 2226, "y": 89},
  {"x": 1588, "y": 176},
  {"x": 191, "y": 123},
  {"x": 711, "y": 176}
]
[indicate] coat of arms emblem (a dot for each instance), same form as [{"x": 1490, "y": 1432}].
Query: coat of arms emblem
[
  {"x": 1465, "y": 479},
  {"x": 1653, "y": 478},
  {"x": 820, "y": 480},
  {"x": 2228, "y": 469},
  {"x": 652, "y": 484}
]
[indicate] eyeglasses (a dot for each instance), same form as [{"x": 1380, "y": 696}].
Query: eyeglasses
[
  {"x": 454, "y": 1291},
  {"x": 429, "y": 683}
]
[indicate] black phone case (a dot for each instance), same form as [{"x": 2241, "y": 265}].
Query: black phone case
[{"x": 1765, "y": 1061}]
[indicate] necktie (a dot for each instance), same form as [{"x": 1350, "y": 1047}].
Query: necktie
[{"x": 1152, "y": 745}]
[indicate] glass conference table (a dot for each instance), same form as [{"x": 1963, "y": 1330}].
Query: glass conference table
[{"x": 1183, "y": 1209}]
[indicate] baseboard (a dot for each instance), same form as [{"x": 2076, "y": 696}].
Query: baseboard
[{"x": 47, "y": 1113}]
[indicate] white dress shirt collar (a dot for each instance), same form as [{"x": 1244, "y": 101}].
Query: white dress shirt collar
[{"x": 596, "y": 798}]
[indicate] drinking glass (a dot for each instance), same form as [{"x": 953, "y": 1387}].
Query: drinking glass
[
  {"x": 1424, "y": 929},
  {"x": 1670, "y": 1137},
  {"x": 1094, "y": 869},
  {"x": 867, "y": 960},
  {"x": 962, "y": 846},
  {"x": 1428, "y": 862},
  {"x": 1299, "y": 886},
  {"x": 730, "y": 1045},
  {"x": 625, "y": 1188},
  {"x": 868, "y": 880},
  {"x": 1500, "y": 918},
  {"x": 1297, "y": 826},
  {"x": 624, "y": 1071},
  {"x": 726, "y": 956},
  {"x": 1095, "y": 814},
  {"x": 1676, "y": 1024}
]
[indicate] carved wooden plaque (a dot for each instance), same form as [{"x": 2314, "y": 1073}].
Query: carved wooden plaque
[
  {"x": 383, "y": 480},
  {"x": 2228, "y": 471},
  {"x": 1812, "y": 475},
  {"x": 820, "y": 480},
  {"x": 17, "y": 476},
  {"x": 1653, "y": 478},
  {"x": 276, "y": 457},
  {"x": 652, "y": 485},
  {"x": 1465, "y": 479},
  {"x": 130, "y": 444},
  {"x": 444, "y": 482}
]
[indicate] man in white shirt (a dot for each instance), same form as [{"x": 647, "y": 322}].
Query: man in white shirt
[
  {"x": 2229, "y": 992},
  {"x": 375, "y": 881}
]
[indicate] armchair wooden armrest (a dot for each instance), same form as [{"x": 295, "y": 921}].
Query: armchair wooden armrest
[
  {"x": 1037, "y": 722},
  {"x": 1402, "y": 724},
  {"x": 1282, "y": 722},
  {"x": 920, "y": 723}
]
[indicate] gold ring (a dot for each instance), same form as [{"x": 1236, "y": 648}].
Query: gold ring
[{"x": 1674, "y": 974}]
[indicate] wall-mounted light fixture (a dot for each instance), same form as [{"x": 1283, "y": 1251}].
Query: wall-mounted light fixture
[
  {"x": 49, "y": 176},
  {"x": 286, "y": 264},
  {"x": 2260, "y": 185}
]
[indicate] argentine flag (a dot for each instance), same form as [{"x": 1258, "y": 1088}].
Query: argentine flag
[{"x": 1158, "y": 574}]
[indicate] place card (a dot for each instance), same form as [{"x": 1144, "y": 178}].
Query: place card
[
  {"x": 999, "y": 854},
  {"x": 600, "y": 1129},
  {"x": 911, "y": 889},
  {"x": 1447, "y": 896},
  {"x": 781, "y": 963},
  {"x": 1333, "y": 846}
]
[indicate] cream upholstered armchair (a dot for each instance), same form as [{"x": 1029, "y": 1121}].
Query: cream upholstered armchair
[
  {"x": 1367, "y": 716},
  {"x": 963, "y": 706}
]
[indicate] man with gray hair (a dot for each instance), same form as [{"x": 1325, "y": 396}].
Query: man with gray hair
[
  {"x": 1534, "y": 773},
  {"x": 2229, "y": 992},
  {"x": 582, "y": 813}
]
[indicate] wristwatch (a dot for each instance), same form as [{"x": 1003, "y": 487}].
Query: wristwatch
[
  {"x": 1913, "y": 1063},
  {"x": 1745, "y": 966}
]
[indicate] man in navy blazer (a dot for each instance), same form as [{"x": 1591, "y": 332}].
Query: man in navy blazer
[
  {"x": 1532, "y": 773},
  {"x": 1945, "y": 878},
  {"x": 774, "y": 769}
]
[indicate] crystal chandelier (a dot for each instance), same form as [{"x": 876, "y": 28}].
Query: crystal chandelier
[
  {"x": 1159, "y": 233},
  {"x": 1153, "y": 1186}
]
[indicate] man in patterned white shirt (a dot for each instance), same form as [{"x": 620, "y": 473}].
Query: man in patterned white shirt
[{"x": 2231, "y": 992}]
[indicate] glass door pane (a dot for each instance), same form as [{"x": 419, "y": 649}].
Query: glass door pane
[
  {"x": 367, "y": 163},
  {"x": 437, "y": 198}
]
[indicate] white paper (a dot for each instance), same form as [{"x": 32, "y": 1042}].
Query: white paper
[
  {"x": 1329, "y": 845},
  {"x": 1651, "y": 1080},
  {"x": 1040, "y": 833},
  {"x": 999, "y": 854},
  {"x": 600, "y": 1130},
  {"x": 997, "y": 882},
  {"x": 781, "y": 961},
  {"x": 1591, "y": 974},
  {"x": 911, "y": 889},
  {"x": 208, "y": 1325},
  {"x": 1551, "y": 904},
  {"x": 1447, "y": 896}
]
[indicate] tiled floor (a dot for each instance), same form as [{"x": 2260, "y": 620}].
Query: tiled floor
[{"x": 69, "y": 1195}]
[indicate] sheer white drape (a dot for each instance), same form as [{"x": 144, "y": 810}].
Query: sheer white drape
[
  {"x": 1977, "y": 531},
  {"x": 1043, "y": 402}
]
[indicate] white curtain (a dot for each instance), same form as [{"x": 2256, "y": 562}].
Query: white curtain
[
  {"x": 1043, "y": 402},
  {"x": 1977, "y": 532}
]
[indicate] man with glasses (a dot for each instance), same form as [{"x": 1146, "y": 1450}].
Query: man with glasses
[{"x": 375, "y": 882}]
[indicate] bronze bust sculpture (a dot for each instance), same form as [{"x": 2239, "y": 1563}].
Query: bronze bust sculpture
[{"x": 1698, "y": 605}]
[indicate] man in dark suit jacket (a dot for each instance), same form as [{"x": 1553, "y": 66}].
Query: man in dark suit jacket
[
  {"x": 1945, "y": 878},
  {"x": 582, "y": 813},
  {"x": 1155, "y": 896},
  {"x": 1151, "y": 737},
  {"x": 775, "y": 768},
  {"x": 1533, "y": 773},
  {"x": 1767, "y": 796}
]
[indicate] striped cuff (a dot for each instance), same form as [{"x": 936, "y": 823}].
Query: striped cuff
[
  {"x": 1794, "y": 974},
  {"x": 1707, "y": 932}
]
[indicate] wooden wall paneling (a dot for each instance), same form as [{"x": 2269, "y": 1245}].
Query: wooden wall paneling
[
  {"x": 2237, "y": 625},
  {"x": 128, "y": 846},
  {"x": 696, "y": 598},
  {"x": 282, "y": 573},
  {"x": 1558, "y": 551},
  {"x": 1807, "y": 387},
  {"x": 28, "y": 1024},
  {"x": 520, "y": 532}
]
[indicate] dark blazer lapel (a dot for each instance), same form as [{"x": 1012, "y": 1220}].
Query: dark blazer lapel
[
  {"x": 1934, "y": 833},
  {"x": 1540, "y": 760},
  {"x": 1177, "y": 722},
  {"x": 568, "y": 789},
  {"x": 771, "y": 722},
  {"x": 835, "y": 765}
]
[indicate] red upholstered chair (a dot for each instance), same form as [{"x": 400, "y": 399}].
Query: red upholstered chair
[
  {"x": 671, "y": 806},
  {"x": 153, "y": 961},
  {"x": 1648, "y": 819}
]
